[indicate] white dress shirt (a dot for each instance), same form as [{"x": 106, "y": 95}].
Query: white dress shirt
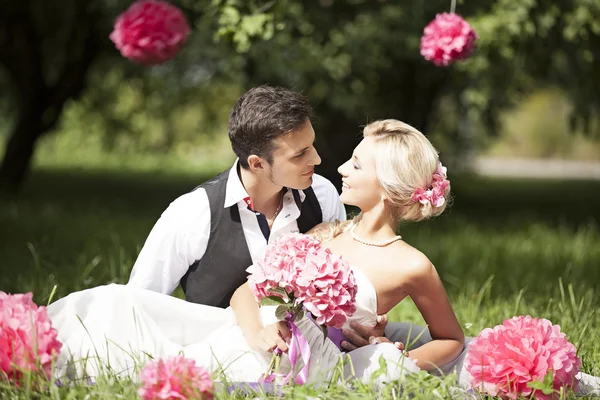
[{"x": 180, "y": 236}]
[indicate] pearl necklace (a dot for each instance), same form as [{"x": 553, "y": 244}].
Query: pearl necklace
[{"x": 359, "y": 240}]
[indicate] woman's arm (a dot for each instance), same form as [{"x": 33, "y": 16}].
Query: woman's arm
[
  {"x": 246, "y": 312},
  {"x": 425, "y": 288}
]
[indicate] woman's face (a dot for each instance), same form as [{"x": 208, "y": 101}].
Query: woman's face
[{"x": 360, "y": 186}]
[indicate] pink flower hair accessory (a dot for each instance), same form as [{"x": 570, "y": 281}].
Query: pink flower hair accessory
[
  {"x": 436, "y": 192},
  {"x": 150, "y": 32}
]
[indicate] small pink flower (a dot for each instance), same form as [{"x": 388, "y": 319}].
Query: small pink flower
[
  {"x": 421, "y": 195},
  {"x": 447, "y": 38},
  {"x": 150, "y": 31},
  {"x": 502, "y": 360},
  {"x": 176, "y": 377},
  {"x": 441, "y": 171},
  {"x": 28, "y": 342},
  {"x": 438, "y": 196}
]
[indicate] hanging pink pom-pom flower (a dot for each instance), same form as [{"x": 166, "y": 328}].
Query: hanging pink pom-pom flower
[
  {"x": 176, "y": 378},
  {"x": 28, "y": 342},
  {"x": 150, "y": 32},
  {"x": 447, "y": 38},
  {"x": 503, "y": 360}
]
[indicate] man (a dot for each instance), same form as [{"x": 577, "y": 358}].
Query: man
[{"x": 207, "y": 238}]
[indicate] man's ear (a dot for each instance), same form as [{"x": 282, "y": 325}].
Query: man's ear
[{"x": 256, "y": 164}]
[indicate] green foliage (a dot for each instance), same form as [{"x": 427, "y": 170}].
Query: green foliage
[
  {"x": 357, "y": 61},
  {"x": 272, "y": 301},
  {"x": 149, "y": 116},
  {"x": 243, "y": 21},
  {"x": 360, "y": 61},
  {"x": 545, "y": 386}
]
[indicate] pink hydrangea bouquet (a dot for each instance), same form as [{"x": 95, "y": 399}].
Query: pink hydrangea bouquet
[
  {"x": 150, "y": 31},
  {"x": 175, "y": 378},
  {"x": 447, "y": 38},
  {"x": 297, "y": 273},
  {"x": 515, "y": 358},
  {"x": 28, "y": 342}
]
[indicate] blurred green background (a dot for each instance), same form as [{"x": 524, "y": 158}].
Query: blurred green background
[{"x": 96, "y": 147}]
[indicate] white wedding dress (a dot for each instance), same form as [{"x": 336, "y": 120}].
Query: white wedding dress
[{"x": 115, "y": 328}]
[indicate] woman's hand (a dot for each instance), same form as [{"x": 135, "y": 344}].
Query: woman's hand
[
  {"x": 270, "y": 337},
  {"x": 247, "y": 315}
]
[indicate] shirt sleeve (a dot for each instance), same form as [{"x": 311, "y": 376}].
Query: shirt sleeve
[
  {"x": 329, "y": 199},
  {"x": 177, "y": 240}
]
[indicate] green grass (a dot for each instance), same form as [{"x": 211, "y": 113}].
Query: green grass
[{"x": 504, "y": 248}]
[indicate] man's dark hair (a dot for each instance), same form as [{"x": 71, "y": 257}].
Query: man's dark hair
[{"x": 261, "y": 115}]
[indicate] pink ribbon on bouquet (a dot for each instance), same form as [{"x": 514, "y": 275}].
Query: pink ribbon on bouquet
[{"x": 298, "y": 344}]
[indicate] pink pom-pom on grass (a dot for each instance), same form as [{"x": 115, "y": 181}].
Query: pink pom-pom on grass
[
  {"x": 28, "y": 342},
  {"x": 175, "y": 378},
  {"x": 503, "y": 360}
]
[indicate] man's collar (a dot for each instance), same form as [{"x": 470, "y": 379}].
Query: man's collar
[{"x": 235, "y": 191}]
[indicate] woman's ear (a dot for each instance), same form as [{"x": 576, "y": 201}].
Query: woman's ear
[{"x": 384, "y": 197}]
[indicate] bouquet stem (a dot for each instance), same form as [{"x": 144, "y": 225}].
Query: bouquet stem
[{"x": 271, "y": 373}]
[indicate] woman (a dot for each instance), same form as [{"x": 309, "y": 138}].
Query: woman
[
  {"x": 387, "y": 178},
  {"x": 393, "y": 176}
]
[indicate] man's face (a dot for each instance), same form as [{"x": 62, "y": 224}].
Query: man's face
[{"x": 294, "y": 158}]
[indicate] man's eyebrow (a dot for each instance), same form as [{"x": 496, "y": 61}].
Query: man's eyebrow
[
  {"x": 301, "y": 151},
  {"x": 306, "y": 148}
]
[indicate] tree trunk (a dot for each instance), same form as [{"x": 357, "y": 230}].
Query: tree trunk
[
  {"x": 40, "y": 103},
  {"x": 19, "y": 152},
  {"x": 338, "y": 135}
]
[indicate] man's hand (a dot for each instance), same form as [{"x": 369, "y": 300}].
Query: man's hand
[
  {"x": 383, "y": 339},
  {"x": 359, "y": 335},
  {"x": 272, "y": 336}
]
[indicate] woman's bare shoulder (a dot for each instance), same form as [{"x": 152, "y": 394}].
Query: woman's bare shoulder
[{"x": 409, "y": 261}]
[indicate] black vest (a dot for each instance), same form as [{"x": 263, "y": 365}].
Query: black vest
[{"x": 214, "y": 278}]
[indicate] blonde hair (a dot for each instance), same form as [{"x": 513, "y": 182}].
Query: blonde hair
[{"x": 405, "y": 160}]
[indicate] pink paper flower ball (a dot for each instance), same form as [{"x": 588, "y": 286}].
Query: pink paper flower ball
[
  {"x": 175, "y": 378},
  {"x": 447, "y": 38},
  {"x": 28, "y": 342},
  {"x": 502, "y": 360},
  {"x": 150, "y": 32}
]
